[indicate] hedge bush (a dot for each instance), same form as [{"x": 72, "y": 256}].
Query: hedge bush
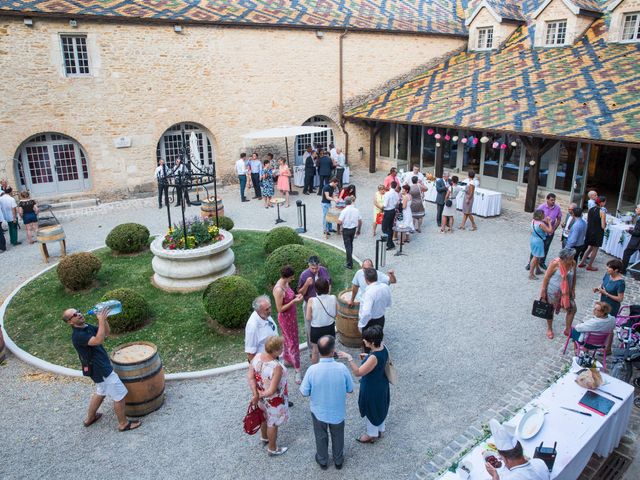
[
  {"x": 279, "y": 237},
  {"x": 135, "y": 310},
  {"x": 128, "y": 238},
  {"x": 295, "y": 255},
  {"x": 78, "y": 270},
  {"x": 228, "y": 299},
  {"x": 225, "y": 223}
]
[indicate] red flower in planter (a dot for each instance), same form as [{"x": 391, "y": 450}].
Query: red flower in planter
[{"x": 172, "y": 246}]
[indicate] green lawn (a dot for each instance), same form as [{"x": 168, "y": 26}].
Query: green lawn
[{"x": 178, "y": 328}]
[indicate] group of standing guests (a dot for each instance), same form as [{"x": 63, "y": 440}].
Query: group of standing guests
[
  {"x": 11, "y": 212},
  {"x": 581, "y": 240},
  {"x": 327, "y": 382},
  {"x": 325, "y": 164},
  {"x": 264, "y": 177}
]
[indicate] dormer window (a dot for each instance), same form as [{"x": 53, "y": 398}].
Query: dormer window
[
  {"x": 485, "y": 38},
  {"x": 556, "y": 33},
  {"x": 631, "y": 27}
]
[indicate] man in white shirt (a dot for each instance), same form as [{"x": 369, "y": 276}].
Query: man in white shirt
[
  {"x": 10, "y": 213},
  {"x": 375, "y": 301},
  {"x": 241, "y": 171},
  {"x": 163, "y": 188},
  {"x": 359, "y": 284},
  {"x": 568, "y": 222},
  {"x": 406, "y": 179},
  {"x": 182, "y": 192},
  {"x": 340, "y": 161},
  {"x": 351, "y": 222},
  {"x": 389, "y": 203},
  {"x": 592, "y": 195},
  {"x": 3, "y": 242},
  {"x": 260, "y": 326}
]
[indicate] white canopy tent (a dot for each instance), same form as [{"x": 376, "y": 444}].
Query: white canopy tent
[{"x": 284, "y": 132}]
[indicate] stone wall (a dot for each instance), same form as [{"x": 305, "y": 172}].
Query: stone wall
[
  {"x": 146, "y": 78},
  {"x": 501, "y": 31}
]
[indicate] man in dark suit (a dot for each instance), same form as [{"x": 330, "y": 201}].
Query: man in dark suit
[
  {"x": 309, "y": 172},
  {"x": 325, "y": 165},
  {"x": 442, "y": 185},
  {"x": 634, "y": 243}
]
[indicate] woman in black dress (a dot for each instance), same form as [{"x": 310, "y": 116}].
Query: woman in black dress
[
  {"x": 596, "y": 223},
  {"x": 374, "y": 398}
]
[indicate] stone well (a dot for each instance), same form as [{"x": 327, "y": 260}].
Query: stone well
[{"x": 192, "y": 270}]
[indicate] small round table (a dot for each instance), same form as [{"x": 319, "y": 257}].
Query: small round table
[
  {"x": 278, "y": 201},
  {"x": 401, "y": 231}
]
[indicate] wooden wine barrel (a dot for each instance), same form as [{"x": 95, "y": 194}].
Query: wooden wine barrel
[
  {"x": 209, "y": 207},
  {"x": 54, "y": 233},
  {"x": 139, "y": 367},
  {"x": 347, "y": 320},
  {"x": 3, "y": 348},
  {"x": 333, "y": 214}
]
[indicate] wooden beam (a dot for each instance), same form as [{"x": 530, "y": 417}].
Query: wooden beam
[
  {"x": 373, "y": 132},
  {"x": 439, "y": 168},
  {"x": 536, "y": 147}
]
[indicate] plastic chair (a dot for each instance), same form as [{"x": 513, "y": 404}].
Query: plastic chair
[{"x": 592, "y": 342}]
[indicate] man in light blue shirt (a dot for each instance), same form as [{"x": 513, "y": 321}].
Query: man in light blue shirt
[
  {"x": 255, "y": 166},
  {"x": 328, "y": 383},
  {"x": 577, "y": 233}
]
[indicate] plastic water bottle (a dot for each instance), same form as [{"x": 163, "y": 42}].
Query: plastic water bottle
[{"x": 114, "y": 306}]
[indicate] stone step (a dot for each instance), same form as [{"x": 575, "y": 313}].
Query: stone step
[{"x": 58, "y": 206}]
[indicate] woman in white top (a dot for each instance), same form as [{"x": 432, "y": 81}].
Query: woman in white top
[{"x": 321, "y": 312}]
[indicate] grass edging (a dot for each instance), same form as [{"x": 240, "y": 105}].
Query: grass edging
[{"x": 70, "y": 372}]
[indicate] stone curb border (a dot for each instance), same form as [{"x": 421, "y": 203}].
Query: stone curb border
[{"x": 70, "y": 372}]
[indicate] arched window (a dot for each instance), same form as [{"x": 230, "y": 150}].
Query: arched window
[
  {"x": 51, "y": 163},
  {"x": 317, "y": 140},
  {"x": 170, "y": 144}
]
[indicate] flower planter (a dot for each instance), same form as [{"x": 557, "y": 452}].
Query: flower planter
[{"x": 194, "y": 269}]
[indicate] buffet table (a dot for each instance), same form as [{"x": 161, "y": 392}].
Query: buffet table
[
  {"x": 487, "y": 203},
  {"x": 616, "y": 239},
  {"x": 578, "y": 436},
  {"x": 298, "y": 176}
]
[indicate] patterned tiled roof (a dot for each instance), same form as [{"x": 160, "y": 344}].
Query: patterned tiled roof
[
  {"x": 592, "y": 5},
  {"x": 506, "y": 9},
  {"x": 588, "y": 90},
  {"x": 420, "y": 16}
]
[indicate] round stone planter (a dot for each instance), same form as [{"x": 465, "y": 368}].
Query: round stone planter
[{"x": 192, "y": 270}]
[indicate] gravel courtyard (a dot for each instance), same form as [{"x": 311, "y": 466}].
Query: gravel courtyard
[{"x": 460, "y": 332}]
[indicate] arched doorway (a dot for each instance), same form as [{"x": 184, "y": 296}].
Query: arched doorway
[
  {"x": 170, "y": 144},
  {"x": 51, "y": 163},
  {"x": 317, "y": 140}
]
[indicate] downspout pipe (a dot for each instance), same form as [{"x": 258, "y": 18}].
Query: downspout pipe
[{"x": 341, "y": 100}]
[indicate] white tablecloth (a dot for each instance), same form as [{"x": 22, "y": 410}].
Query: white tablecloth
[
  {"x": 487, "y": 203},
  {"x": 298, "y": 176},
  {"x": 617, "y": 239},
  {"x": 578, "y": 436}
]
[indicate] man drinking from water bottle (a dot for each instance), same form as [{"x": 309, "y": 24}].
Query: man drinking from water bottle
[{"x": 88, "y": 340}]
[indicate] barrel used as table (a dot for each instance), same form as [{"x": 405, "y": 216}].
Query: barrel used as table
[
  {"x": 209, "y": 207},
  {"x": 139, "y": 367},
  {"x": 347, "y": 320},
  {"x": 53, "y": 233},
  {"x": 3, "y": 348}
]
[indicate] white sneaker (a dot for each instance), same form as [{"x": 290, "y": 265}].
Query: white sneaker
[{"x": 277, "y": 452}]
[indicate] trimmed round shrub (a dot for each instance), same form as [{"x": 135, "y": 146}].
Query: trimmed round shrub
[
  {"x": 295, "y": 255},
  {"x": 279, "y": 237},
  {"x": 135, "y": 310},
  {"x": 228, "y": 299},
  {"x": 78, "y": 270},
  {"x": 225, "y": 223},
  {"x": 128, "y": 238}
]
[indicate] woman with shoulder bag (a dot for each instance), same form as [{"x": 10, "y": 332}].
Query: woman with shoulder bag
[
  {"x": 449, "y": 210},
  {"x": 321, "y": 313},
  {"x": 540, "y": 228},
  {"x": 559, "y": 288},
  {"x": 375, "y": 397}
]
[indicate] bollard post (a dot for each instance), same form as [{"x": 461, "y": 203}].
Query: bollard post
[
  {"x": 381, "y": 251},
  {"x": 302, "y": 217}
]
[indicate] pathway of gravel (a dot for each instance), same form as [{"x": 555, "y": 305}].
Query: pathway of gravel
[{"x": 460, "y": 331}]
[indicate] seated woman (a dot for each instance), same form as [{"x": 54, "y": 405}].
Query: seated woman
[
  {"x": 601, "y": 322},
  {"x": 347, "y": 191}
]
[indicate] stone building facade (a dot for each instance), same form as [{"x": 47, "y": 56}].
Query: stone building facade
[{"x": 145, "y": 77}]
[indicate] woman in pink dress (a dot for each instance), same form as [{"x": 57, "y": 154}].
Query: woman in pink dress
[
  {"x": 283, "y": 179},
  {"x": 268, "y": 383},
  {"x": 286, "y": 303}
]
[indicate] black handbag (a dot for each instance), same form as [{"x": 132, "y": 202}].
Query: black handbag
[{"x": 542, "y": 310}]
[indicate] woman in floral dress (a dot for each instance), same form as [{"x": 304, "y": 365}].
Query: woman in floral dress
[
  {"x": 286, "y": 305},
  {"x": 268, "y": 382},
  {"x": 266, "y": 183}
]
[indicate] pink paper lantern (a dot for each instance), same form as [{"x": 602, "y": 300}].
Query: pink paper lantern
[
  {"x": 495, "y": 144},
  {"x": 503, "y": 146},
  {"x": 447, "y": 137},
  {"x": 430, "y": 131},
  {"x": 464, "y": 140},
  {"x": 475, "y": 140},
  {"x": 438, "y": 136}
]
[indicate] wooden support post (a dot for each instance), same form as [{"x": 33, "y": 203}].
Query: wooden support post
[
  {"x": 439, "y": 167},
  {"x": 536, "y": 147},
  {"x": 372, "y": 147}
]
